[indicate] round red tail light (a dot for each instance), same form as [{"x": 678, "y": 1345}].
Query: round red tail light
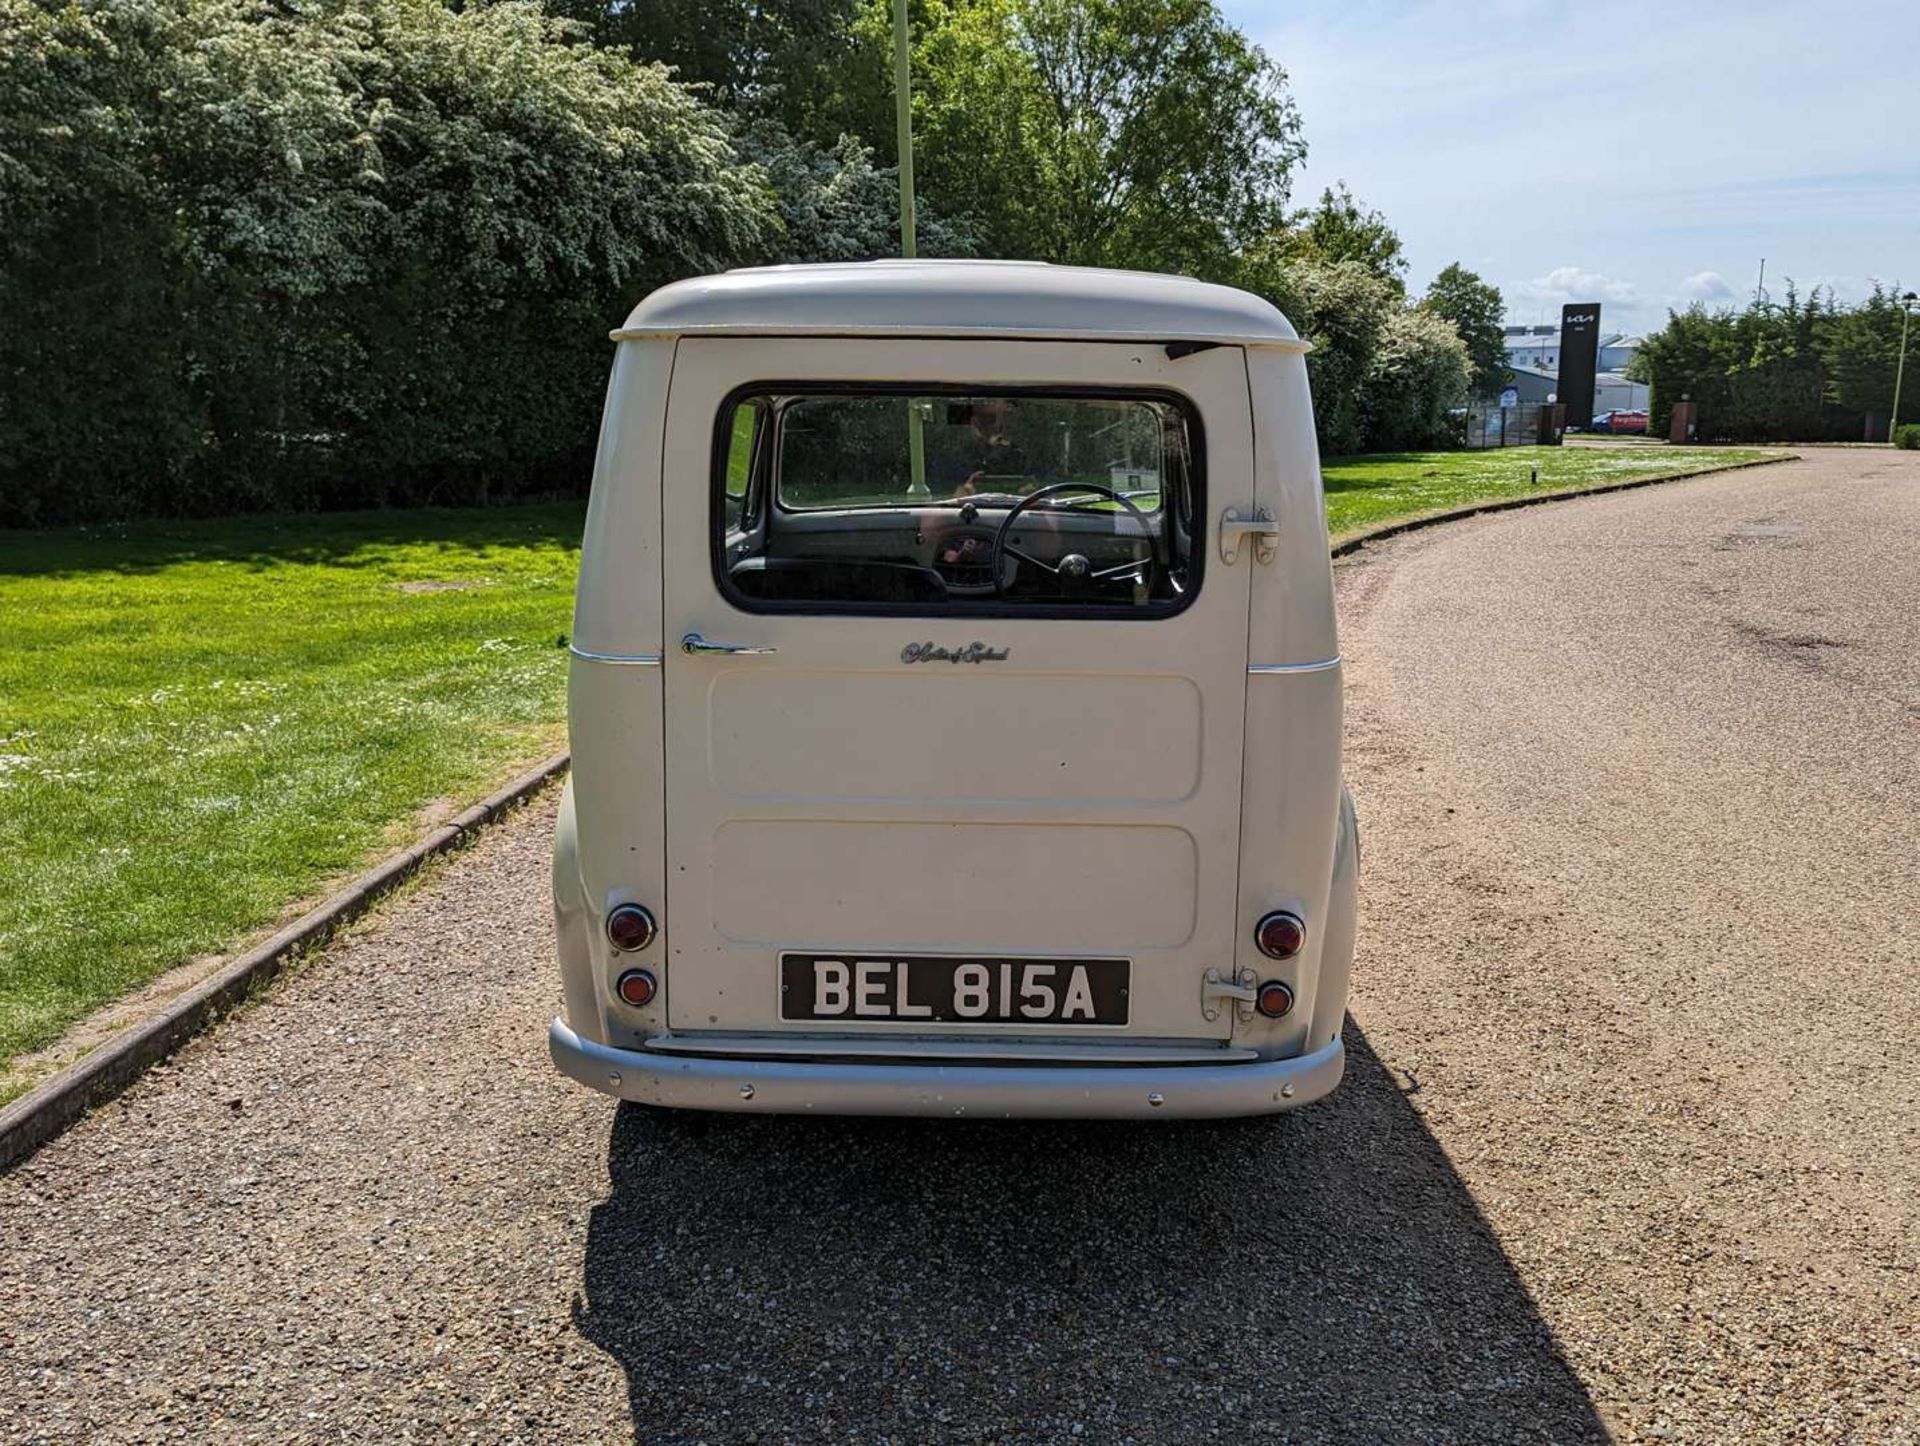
[
  {"x": 1275, "y": 999},
  {"x": 630, "y": 927},
  {"x": 1280, "y": 935},
  {"x": 636, "y": 987}
]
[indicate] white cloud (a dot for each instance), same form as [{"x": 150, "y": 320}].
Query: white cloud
[
  {"x": 1707, "y": 287},
  {"x": 1565, "y": 285}
]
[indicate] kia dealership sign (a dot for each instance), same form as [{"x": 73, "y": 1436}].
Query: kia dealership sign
[{"x": 1579, "y": 349}]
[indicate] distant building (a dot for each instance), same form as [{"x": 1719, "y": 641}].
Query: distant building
[
  {"x": 1537, "y": 348},
  {"x": 1533, "y": 385},
  {"x": 1611, "y": 392},
  {"x": 1617, "y": 351}
]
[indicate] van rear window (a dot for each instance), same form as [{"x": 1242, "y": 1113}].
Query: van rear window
[{"x": 946, "y": 501}]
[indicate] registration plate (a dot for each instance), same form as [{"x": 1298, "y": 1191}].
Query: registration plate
[{"x": 953, "y": 989}]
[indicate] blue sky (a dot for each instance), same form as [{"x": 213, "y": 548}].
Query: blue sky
[{"x": 1641, "y": 155}]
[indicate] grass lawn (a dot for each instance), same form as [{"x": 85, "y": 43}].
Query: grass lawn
[
  {"x": 1387, "y": 486},
  {"x": 200, "y": 723}
]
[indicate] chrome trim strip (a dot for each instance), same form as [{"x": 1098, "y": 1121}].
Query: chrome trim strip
[
  {"x": 1267, "y": 670},
  {"x": 632, "y": 660}
]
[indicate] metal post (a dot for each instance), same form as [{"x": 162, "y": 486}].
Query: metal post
[
  {"x": 903, "y": 124},
  {"x": 1900, "y": 371}
]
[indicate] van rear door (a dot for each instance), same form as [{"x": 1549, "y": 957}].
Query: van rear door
[{"x": 897, "y": 793}]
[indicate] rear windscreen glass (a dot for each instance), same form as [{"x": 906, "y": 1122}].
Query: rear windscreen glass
[{"x": 975, "y": 501}]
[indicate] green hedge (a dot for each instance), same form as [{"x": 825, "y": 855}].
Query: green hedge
[
  {"x": 253, "y": 257},
  {"x": 256, "y": 255},
  {"x": 1907, "y": 438},
  {"x": 1805, "y": 369}
]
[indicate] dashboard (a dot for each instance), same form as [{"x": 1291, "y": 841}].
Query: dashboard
[{"x": 929, "y": 554}]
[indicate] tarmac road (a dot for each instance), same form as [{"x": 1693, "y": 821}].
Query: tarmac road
[{"x": 1627, "y": 1145}]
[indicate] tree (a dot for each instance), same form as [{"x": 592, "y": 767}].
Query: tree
[
  {"x": 1861, "y": 349},
  {"x": 532, "y": 189},
  {"x": 361, "y": 253},
  {"x": 1418, "y": 380},
  {"x": 835, "y": 204},
  {"x": 1341, "y": 308},
  {"x": 367, "y": 251},
  {"x": 1384, "y": 375},
  {"x": 1143, "y": 133},
  {"x": 1476, "y": 309},
  {"x": 1687, "y": 360},
  {"x": 1140, "y": 133},
  {"x": 1756, "y": 375},
  {"x": 776, "y": 60},
  {"x": 1339, "y": 228},
  {"x": 176, "y": 185}
]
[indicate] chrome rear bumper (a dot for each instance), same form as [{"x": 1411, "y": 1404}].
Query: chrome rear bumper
[{"x": 788, "y": 1086}]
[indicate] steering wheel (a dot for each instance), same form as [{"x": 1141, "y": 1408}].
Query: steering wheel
[{"x": 1074, "y": 568}]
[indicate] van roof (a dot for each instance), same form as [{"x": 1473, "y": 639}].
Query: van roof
[{"x": 1026, "y": 299}]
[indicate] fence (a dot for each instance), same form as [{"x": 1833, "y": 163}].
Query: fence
[{"x": 1536, "y": 424}]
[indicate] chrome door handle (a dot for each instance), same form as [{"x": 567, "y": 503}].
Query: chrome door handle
[{"x": 694, "y": 643}]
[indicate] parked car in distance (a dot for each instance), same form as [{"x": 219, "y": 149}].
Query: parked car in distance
[
  {"x": 1620, "y": 422},
  {"x": 955, "y": 703}
]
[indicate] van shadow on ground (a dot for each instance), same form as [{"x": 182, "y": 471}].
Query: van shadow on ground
[{"x": 1322, "y": 1277}]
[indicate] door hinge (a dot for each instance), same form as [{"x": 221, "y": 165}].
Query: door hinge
[
  {"x": 1260, "y": 526},
  {"x": 1241, "y": 989}
]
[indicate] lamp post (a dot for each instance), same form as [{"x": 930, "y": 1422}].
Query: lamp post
[
  {"x": 1900, "y": 371},
  {"x": 903, "y": 122}
]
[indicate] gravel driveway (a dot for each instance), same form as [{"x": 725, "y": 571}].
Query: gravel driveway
[{"x": 1627, "y": 1146}]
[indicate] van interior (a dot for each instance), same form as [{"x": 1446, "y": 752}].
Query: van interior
[{"x": 863, "y": 499}]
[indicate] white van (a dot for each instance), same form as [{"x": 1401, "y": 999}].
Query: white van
[{"x": 955, "y": 703}]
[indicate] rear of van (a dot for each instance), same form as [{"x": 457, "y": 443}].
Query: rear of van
[{"x": 955, "y": 705}]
